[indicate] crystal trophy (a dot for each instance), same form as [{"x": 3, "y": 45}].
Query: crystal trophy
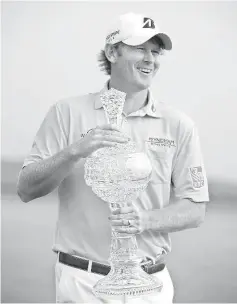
[{"x": 118, "y": 175}]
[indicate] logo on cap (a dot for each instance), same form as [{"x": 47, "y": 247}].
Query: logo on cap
[
  {"x": 148, "y": 23},
  {"x": 111, "y": 36}
]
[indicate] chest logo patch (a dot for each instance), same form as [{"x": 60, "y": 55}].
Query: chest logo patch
[
  {"x": 197, "y": 176},
  {"x": 161, "y": 142}
]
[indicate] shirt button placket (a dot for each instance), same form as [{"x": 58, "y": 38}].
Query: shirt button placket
[{"x": 125, "y": 125}]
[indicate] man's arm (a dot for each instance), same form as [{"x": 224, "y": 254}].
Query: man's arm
[
  {"x": 41, "y": 177},
  {"x": 180, "y": 215}
]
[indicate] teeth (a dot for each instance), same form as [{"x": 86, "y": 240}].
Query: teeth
[{"x": 145, "y": 70}]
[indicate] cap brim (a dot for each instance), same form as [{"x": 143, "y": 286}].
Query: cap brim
[{"x": 141, "y": 38}]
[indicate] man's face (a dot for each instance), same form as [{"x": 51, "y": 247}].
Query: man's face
[{"x": 136, "y": 66}]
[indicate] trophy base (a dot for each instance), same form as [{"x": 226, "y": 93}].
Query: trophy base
[{"x": 126, "y": 279}]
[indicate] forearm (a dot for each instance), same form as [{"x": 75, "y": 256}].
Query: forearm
[
  {"x": 40, "y": 178},
  {"x": 177, "y": 216}
]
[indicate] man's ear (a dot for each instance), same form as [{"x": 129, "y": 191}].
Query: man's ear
[{"x": 111, "y": 53}]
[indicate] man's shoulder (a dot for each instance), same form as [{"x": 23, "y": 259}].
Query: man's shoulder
[
  {"x": 175, "y": 116},
  {"x": 84, "y": 101}
]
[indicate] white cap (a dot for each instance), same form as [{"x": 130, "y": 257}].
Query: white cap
[{"x": 135, "y": 29}]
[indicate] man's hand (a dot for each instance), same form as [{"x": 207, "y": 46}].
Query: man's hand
[
  {"x": 100, "y": 137},
  {"x": 130, "y": 219}
]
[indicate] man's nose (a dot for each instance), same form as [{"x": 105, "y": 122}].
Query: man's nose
[{"x": 148, "y": 56}]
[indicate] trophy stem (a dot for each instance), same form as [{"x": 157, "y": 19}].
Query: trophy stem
[
  {"x": 126, "y": 277},
  {"x": 123, "y": 247}
]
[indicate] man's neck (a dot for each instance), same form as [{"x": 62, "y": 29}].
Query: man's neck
[{"x": 134, "y": 100}]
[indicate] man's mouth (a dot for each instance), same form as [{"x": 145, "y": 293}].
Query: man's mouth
[{"x": 145, "y": 71}]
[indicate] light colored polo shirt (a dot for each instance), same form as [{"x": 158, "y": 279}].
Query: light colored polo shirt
[{"x": 169, "y": 138}]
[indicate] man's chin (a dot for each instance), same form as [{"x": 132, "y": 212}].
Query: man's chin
[{"x": 143, "y": 85}]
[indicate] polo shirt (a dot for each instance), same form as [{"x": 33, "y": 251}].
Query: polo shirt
[{"x": 170, "y": 139}]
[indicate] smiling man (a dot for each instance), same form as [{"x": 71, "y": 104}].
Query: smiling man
[
  {"x": 134, "y": 67},
  {"x": 76, "y": 127}
]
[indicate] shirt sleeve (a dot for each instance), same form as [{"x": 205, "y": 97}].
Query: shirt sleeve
[
  {"x": 189, "y": 179},
  {"x": 50, "y": 138}
]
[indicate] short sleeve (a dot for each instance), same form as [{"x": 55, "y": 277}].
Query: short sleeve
[
  {"x": 50, "y": 138},
  {"x": 189, "y": 176}
]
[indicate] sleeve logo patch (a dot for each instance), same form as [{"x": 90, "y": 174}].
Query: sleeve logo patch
[{"x": 197, "y": 177}]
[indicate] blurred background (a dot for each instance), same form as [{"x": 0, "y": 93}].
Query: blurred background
[{"x": 49, "y": 52}]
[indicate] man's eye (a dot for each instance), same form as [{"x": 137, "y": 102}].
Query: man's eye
[
  {"x": 156, "y": 52},
  {"x": 140, "y": 48}
]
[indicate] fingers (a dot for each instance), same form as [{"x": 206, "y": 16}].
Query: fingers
[
  {"x": 125, "y": 213},
  {"x": 124, "y": 222},
  {"x": 108, "y": 141},
  {"x": 97, "y": 132},
  {"x": 109, "y": 127},
  {"x": 102, "y": 136},
  {"x": 114, "y": 138},
  {"x": 108, "y": 134},
  {"x": 123, "y": 210},
  {"x": 126, "y": 226},
  {"x": 127, "y": 230}
]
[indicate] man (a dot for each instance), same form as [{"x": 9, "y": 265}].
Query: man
[{"x": 75, "y": 127}]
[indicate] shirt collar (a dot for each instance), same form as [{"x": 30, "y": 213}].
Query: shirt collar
[{"x": 150, "y": 109}]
